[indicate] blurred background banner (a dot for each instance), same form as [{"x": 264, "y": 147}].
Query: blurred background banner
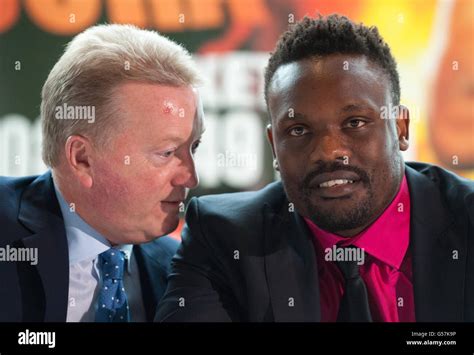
[{"x": 432, "y": 41}]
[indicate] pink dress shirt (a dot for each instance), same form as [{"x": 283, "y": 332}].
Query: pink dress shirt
[{"x": 387, "y": 270}]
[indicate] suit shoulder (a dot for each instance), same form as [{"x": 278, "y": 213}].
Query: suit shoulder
[
  {"x": 241, "y": 206},
  {"x": 11, "y": 190},
  {"x": 166, "y": 244},
  {"x": 12, "y": 187},
  {"x": 457, "y": 192},
  {"x": 161, "y": 249},
  {"x": 235, "y": 220}
]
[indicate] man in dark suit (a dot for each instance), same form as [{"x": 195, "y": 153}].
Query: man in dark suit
[
  {"x": 38, "y": 291},
  {"x": 80, "y": 242},
  {"x": 352, "y": 232}
]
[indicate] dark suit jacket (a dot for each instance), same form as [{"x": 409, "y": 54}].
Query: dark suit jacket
[
  {"x": 245, "y": 257},
  {"x": 30, "y": 217}
]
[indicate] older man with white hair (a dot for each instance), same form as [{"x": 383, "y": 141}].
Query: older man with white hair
[{"x": 121, "y": 120}]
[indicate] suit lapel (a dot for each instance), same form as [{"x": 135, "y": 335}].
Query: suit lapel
[
  {"x": 291, "y": 267},
  {"x": 40, "y": 213},
  {"x": 438, "y": 277},
  {"x": 152, "y": 277}
]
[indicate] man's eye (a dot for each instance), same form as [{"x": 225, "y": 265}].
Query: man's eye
[
  {"x": 356, "y": 123},
  {"x": 298, "y": 131},
  {"x": 195, "y": 146},
  {"x": 167, "y": 154}
]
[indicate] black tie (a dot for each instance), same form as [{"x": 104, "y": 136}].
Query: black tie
[{"x": 354, "y": 306}]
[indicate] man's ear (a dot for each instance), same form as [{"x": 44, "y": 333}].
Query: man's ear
[
  {"x": 79, "y": 159},
  {"x": 270, "y": 138},
  {"x": 403, "y": 127}
]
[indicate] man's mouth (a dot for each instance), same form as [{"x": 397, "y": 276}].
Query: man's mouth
[
  {"x": 336, "y": 184},
  {"x": 332, "y": 183},
  {"x": 174, "y": 204},
  {"x": 336, "y": 189}
]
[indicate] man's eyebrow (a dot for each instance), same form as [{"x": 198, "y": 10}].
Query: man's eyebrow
[
  {"x": 291, "y": 116},
  {"x": 350, "y": 108},
  {"x": 172, "y": 139},
  {"x": 358, "y": 107}
]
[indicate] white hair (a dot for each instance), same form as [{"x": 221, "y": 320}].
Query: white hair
[{"x": 94, "y": 63}]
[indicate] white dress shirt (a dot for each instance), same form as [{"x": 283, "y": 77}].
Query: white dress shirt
[{"x": 84, "y": 245}]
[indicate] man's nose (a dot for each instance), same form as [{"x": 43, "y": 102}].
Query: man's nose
[
  {"x": 330, "y": 146},
  {"x": 187, "y": 175}
]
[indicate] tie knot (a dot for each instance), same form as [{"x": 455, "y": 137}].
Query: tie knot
[
  {"x": 350, "y": 265},
  {"x": 111, "y": 262}
]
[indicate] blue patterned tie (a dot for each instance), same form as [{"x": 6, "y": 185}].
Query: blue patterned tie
[{"x": 112, "y": 304}]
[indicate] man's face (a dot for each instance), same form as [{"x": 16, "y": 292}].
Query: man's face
[
  {"x": 340, "y": 162},
  {"x": 141, "y": 179}
]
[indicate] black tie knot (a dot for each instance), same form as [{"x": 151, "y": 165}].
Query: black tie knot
[{"x": 350, "y": 265}]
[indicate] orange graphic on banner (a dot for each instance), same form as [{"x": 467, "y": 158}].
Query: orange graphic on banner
[
  {"x": 127, "y": 11},
  {"x": 63, "y": 17},
  {"x": 167, "y": 15},
  {"x": 206, "y": 14},
  {"x": 10, "y": 10}
]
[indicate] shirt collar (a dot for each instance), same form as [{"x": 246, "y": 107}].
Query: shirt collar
[
  {"x": 84, "y": 242},
  {"x": 127, "y": 250},
  {"x": 386, "y": 239}
]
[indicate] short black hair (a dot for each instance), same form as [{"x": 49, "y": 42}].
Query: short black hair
[{"x": 334, "y": 34}]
